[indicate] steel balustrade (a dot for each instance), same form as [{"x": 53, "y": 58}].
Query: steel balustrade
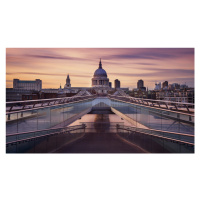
[
  {"x": 169, "y": 105},
  {"x": 30, "y": 104},
  {"x": 25, "y": 136},
  {"x": 172, "y": 136}
]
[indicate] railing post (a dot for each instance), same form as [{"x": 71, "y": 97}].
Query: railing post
[
  {"x": 175, "y": 106},
  {"x": 187, "y": 107},
  {"x": 10, "y": 108},
  {"x": 23, "y": 106},
  {"x": 117, "y": 126}
]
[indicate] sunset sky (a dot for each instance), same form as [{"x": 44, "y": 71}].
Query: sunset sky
[{"x": 51, "y": 65}]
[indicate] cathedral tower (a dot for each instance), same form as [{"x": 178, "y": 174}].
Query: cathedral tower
[{"x": 68, "y": 84}]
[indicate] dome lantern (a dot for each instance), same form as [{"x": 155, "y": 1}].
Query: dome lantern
[{"x": 100, "y": 65}]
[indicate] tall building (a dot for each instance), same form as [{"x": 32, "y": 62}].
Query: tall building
[
  {"x": 110, "y": 84},
  {"x": 27, "y": 84},
  {"x": 165, "y": 85},
  {"x": 157, "y": 86},
  {"x": 143, "y": 88},
  {"x": 183, "y": 86},
  {"x": 117, "y": 84},
  {"x": 176, "y": 85},
  {"x": 140, "y": 84},
  {"x": 68, "y": 84}
]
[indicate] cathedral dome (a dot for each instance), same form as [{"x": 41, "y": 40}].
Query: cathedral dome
[
  {"x": 100, "y": 72},
  {"x": 100, "y": 81}
]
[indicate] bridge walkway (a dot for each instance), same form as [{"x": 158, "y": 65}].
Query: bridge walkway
[
  {"x": 100, "y": 139},
  {"x": 104, "y": 142}
]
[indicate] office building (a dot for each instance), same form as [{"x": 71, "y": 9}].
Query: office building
[
  {"x": 165, "y": 85},
  {"x": 158, "y": 86},
  {"x": 140, "y": 84},
  {"x": 27, "y": 84},
  {"x": 117, "y": 84}
]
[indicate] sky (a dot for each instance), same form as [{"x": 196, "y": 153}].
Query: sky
[{"x": 52, "y": 65}]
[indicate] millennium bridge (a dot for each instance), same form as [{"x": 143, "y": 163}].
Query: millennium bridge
[{"x": 88, "y": 123}]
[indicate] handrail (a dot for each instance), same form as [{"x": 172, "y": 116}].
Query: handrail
[
  {"x": 152, "y": 100},
  {"x": 129, "y": 97},
  {"x": 13, "y": 134},
  {"x": 77, "y": 99},
  {"x": 156, "y": 130},
  {"x": 153, "y": 131},
  {"x": 49, "y": 132},
  {"x": 51, "y": 99},
  {"x": 160, "y": 108}
]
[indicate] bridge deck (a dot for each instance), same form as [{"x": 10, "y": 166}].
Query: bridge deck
[
  {"x": 100, "y": 138},
  {"x": 100, "y": 142}
]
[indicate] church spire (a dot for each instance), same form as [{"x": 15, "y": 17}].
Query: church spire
[
  {"x": 68, "y": 80},
  {"x": 68, "y": 84},
  {"x": 100, "y": 65}
]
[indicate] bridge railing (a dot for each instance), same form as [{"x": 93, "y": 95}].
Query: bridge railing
[
  {"x": 152, "y": 117},
  {"x": 40, "y": 118},
  {"x": 31, "y": 104},
  {"x": 44, "y": 141},
  {"x": 154, "y": 141},
  {"x": 19, "y": 137},
  {"x": 170, "y": 105},
  {"x": 101, "y": 127},
  {"x": 176, "y": 137}
]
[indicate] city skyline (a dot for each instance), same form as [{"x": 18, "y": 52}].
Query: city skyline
[{"x": 51, "y": 65}]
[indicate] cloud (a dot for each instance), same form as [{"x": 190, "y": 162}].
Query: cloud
[
  {"x": 158, "y": 72},
  {"x": 145, "y": 63},
  {"x": 168, "y": 71},
  {"x": 59, "y": 57},
  {"x": 153, "y": 54},
  {"x": 47, "y": 74}
]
